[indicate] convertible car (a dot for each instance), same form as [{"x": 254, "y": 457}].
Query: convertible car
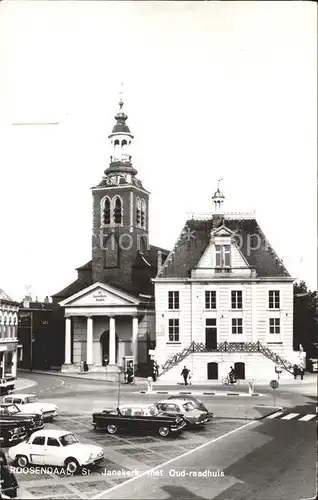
[
  {"x": 186, "y": 409},
  {"x": 147, "y": 419}
]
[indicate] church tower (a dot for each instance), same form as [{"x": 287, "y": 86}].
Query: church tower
[{"x": 120, "y": 211}]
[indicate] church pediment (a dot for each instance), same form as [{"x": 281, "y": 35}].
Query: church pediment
[{"x": 100, "y": 294}]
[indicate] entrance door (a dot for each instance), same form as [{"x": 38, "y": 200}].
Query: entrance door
[
  {"x": 239, "y": 369},
  {"x": 213, "y": 371},
  {"x": 104, "y": 340},
  {"x": 210, "y": 334}
]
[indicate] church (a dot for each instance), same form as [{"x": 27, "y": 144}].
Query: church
[{"x": 109, "y": 310}]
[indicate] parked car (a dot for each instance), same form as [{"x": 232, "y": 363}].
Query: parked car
[
  {"x": 31, "y": 420},
  {"x": 147, "y": 419},
  {"x": 9, "y": 483},
  {"x": 184, "y": 408},
  {"x": 11, "y": 431},
  {"x": 30, "y": 403},
  {"x": 56, "y": 448},
  {"x": 6, "y": 385},
  {"x": 197, "y": 403}
]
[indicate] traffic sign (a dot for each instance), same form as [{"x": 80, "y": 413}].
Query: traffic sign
[{"x": 274, "y": 384}]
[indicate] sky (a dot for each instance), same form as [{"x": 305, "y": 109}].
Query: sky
[{"x": 212, "y": 90}]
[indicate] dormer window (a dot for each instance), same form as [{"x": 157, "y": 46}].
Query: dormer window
[{"x": 222, "y": 256}]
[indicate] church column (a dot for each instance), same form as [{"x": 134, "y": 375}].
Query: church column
[
  {"x": 89, "y": 344},
  {"x": 135, "y": 339},
  {"x": 68, "y": 340},
  {"x": 112, "y": 341}
]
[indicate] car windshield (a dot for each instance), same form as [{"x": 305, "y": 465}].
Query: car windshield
[
  {"x": 69, "y": 439},
  {"x": 188, "y": 406},
  {"x": 31, "y": 399},
  {"x": 153, "y": 411},
  {"x": 9, "y": 410}
]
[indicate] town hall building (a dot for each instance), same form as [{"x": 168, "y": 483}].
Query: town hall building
[
  {"x": 223, "y": 298},
  {"x": 109, "y": 309}
]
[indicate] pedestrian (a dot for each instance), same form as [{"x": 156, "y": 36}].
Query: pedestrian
[
  {"x": 154, "y": 371},
  {"x": 85, "y": 366},
  {"x": 295, "y": 368},
  {"x": 185, "y": 374},
  {"x": 301, "y": 373},
  {"x": 232, "y": 377},
  {"x": 130, "y": 374}
]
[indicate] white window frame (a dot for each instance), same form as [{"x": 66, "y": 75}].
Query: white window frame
[
  {"x": 273, "y": 298},
  {"x": 236, "y": 301},
  {"x": 238, "y": 335},
  {"x": 275, "y": 334},
  {"x": 174, "y": 341},
  {"x": 176, "y": 293},
  {"x": 222, "y": 252},
  {"x": 208, "y": 294}
]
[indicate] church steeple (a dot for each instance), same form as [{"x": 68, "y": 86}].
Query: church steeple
[{"x": 120, "y": 145}]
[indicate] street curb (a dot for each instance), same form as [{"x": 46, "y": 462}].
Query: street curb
[
  {"x": 25, "y": 386},
  {"x": 198, "y": 393},
  {"x": 275, "y": 410}
]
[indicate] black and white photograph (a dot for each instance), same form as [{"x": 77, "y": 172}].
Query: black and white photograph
[{"x": 158, "y": 256}]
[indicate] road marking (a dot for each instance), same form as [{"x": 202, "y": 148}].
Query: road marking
[
  {"x": 274, "y": 415},
  {"x": 187, "y": 453},
  {"x": 307, "y": 417},
  {"x": 290, "y": 416}
]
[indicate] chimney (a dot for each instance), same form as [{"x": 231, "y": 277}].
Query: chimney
[
  {"x": 159, "y": 260},
  {"x": 26, "y": 303},
  {"x": 46, "y": 300}
]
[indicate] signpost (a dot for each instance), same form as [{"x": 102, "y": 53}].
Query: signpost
[{"x": 274, "y": 385}]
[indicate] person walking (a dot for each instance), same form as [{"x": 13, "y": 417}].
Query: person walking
[
  {"x": 185, "y": 374},
  {"x": 301, "y": 373},
  {"x": 295, "y": 368}
]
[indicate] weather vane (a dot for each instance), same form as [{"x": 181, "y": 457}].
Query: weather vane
[{"x": 219, "y": 182}]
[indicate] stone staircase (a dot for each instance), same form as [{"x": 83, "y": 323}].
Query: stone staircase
[{"x": 197, "y": 355}]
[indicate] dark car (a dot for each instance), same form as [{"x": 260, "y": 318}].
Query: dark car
[
  {"x": 146, "y": 419},
  {"x": 32, "y": 421},
  {"x": 197, "y": 403},
  {"x": 6, "y": 385},
  {"x": 9, "y": 483},
  {"x": 184, "y": 408},
  {"x": 11, "y": 432}
]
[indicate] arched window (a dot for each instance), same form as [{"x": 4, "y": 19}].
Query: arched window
[
  {"x": 138, "y": 212},
  {"x": 117, "y": 210},
  {"x": 116, "y": 150},
  {"x": 106, "y": 212},
  {"x": 143, "y": 214}
]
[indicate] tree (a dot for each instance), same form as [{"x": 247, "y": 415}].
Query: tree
[{"x": 305, "y": 319}]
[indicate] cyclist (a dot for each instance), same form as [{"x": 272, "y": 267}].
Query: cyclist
[{"x": 232, "y": 377}]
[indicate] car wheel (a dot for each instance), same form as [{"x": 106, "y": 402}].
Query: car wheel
[
  {"x": 22, "y": 461},
  {"x": 164, "y": 431},
  {"x": 71, "y": 465},
  {"x": 112, "y": 428}
]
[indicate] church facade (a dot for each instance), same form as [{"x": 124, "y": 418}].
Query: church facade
[
  {"x": 109, "y": 310},
  {"x": 224, "y": 298}
]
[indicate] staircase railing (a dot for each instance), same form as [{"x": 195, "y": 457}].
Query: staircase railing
[{"x": 197, "y": 347}]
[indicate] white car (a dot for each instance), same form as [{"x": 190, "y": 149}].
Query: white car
[
  {"x": 30, "y": 403},
  {"x": 58, "y": 448}
]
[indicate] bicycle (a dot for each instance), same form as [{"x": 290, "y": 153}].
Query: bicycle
[{"x": 226, "y": 381}]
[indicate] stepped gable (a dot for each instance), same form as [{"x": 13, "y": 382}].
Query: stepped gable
[{"x": 196, "y": 237}]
